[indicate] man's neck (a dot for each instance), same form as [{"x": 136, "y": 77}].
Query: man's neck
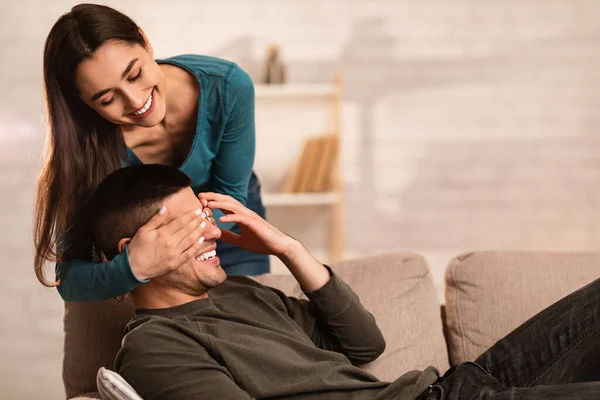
[{"x": 152, "y": 296}]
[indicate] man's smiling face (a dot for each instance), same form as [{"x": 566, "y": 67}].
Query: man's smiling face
[{"x": 204, "y": 271}]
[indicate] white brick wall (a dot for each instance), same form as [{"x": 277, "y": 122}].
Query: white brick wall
[{"x": 468, "y": 125}]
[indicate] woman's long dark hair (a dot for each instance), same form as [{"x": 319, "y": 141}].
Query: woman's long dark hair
[{"x": 82, "y": 147}]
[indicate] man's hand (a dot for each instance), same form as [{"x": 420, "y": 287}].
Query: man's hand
[{"x": 257, "y": 235}]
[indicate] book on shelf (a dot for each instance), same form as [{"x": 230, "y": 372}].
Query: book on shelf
[
  {"x": 294, "y": 178},
  {"x": 313, "y": 172},
  {"x": 326, "y": 165}
]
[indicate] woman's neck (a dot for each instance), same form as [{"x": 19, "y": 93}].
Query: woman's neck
[{"x": 182, "y": 99}]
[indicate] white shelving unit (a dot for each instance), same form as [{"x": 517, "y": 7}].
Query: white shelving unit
[{"x": 286, "y": 115}]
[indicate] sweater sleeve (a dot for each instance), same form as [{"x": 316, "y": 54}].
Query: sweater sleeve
[
  {"x": 234, "y": 160},
  {"x": 82, "y": 280},
  {"x": 335, "y": 319},
  {"x": 235, "y": 157},
  {"x": 156, "y": 359}
]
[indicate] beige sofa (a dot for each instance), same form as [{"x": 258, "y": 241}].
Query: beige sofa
[{"x": 487, "y": 295}]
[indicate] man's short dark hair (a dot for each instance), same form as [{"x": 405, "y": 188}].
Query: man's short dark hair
[{"x": 127, "y": 199}]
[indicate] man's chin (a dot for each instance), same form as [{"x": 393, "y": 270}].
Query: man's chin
[{"x": 215, "y": 279}]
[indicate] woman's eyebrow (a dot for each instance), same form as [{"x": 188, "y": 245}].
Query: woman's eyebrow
[
  {"x": 129, "y": 66},
  {"x": 123, "y": 75}
]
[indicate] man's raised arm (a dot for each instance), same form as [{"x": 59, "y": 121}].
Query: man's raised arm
[{"x": 334, "y": 319}]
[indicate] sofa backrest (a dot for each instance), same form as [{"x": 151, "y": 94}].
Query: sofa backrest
[
  {"x": 488, "y": 294},
  {"x": 397, "y": 288},
  {"x": 93, "y": 334}
]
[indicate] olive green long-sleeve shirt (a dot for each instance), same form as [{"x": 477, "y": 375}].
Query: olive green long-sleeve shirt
[{"x": 248, "y": 341}]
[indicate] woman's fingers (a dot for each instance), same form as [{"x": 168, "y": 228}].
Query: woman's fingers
[
  {"x": 186, "y": 236},
  {"x": 181, "y": 221},
  {"x": 208, "y": 212},
  {"x": 186, "y": 229},
  {"x": 156, "y": 221},
  {"x": 193, "y": 248}
]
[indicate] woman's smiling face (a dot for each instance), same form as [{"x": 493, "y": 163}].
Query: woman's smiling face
[{"x": 124, "y": 84}]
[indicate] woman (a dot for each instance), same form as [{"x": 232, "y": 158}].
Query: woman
[{"x": 110, "y": 104}]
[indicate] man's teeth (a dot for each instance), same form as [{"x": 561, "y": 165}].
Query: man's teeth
[
  {"x": 209, "y": 255},
  {"x": 145, "y": 108}
]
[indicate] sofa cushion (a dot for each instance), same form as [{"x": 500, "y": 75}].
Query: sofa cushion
[
  {"x": 488, "y": 294},
  {"x": 396, "y": 288}
]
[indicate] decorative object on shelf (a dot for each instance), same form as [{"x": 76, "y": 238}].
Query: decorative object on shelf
[{"x": 274, "y": 70}]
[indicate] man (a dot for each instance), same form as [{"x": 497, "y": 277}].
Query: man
[{"x": 200, "y": 335}]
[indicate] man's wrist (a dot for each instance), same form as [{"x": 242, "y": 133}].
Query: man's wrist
[
  {"x": 292, "y": 250},
  {"x": 308, "y": 271}
]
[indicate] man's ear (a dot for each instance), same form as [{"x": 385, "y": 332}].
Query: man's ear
[
  {"x": 122, "y": 244},
  {"x": 148, "y": 45}
]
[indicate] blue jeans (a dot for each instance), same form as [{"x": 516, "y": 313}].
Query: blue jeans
[
  {"x": 555, "y": 355},
  {"x": 236, "y": 261}
]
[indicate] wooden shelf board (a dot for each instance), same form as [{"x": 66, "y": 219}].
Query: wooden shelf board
[
  {"x": 300, "y": 199},
  {"x": 294, "y": 90}
]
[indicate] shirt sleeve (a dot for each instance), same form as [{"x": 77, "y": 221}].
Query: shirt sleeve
[
  {"x": 82, "y": 280},
  {"x": 335, "y": 319},
  {"x": 156, "y": 360}
]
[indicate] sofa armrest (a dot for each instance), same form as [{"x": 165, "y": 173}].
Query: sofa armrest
[{"x": 490, "y": 293}]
